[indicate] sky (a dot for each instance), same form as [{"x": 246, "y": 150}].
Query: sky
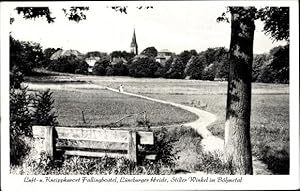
[{"x": 176, "y": 27}]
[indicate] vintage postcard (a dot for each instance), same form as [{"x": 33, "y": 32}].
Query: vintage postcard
[{"x": 150, "y": 95}]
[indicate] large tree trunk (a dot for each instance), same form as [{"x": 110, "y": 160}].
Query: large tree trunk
[{"x": 237, "y": 126}]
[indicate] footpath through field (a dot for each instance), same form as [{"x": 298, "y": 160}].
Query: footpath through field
[{"x": 210, "y": 143}]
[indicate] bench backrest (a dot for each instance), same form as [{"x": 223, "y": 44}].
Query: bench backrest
[{"x": 93, "y": 142}]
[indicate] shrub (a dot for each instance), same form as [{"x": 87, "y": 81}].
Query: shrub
[
  {"x": 212, "y": 164},
  {"x": 16, "y": 77},
  {"x": 43, "y": 105},
  {"x": 20, "y": 123}
]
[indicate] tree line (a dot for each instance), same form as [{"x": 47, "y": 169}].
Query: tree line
[{"x": 211, "y": 64}]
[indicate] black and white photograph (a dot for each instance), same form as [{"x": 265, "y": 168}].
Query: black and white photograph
[{"x": 149, "y": 95}]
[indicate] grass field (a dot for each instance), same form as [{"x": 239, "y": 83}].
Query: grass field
[
  {"x": 269, "y": 117},
  {"x": 103, "y": 107}
]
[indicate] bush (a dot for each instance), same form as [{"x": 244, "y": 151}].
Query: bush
[
  {"x": 26, "y": 110},
  {"x": 20, "y": 123},
  {"x": 16, "y": 77},
  {"x": 212, "y": 164},
  {"x": 163, "y": 147},
  {"x": 43, "y": 105}
]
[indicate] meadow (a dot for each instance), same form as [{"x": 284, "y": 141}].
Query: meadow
[
  {"x": 104, "y": 107},
  {"x": 269, "y": 117}
]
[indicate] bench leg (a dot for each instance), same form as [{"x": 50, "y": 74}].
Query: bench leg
[
  {"x": 49, "y": 141},
  {"x": 132, "y": 146}
]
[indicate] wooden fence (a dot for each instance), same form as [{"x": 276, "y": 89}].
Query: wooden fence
[{"x": 93, "y": 142}]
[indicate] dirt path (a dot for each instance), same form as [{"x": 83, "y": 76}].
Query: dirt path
[{"x": 210, "y": 143}]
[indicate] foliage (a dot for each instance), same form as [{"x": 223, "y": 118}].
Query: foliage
[
  {"x": 16, "y": 77},
  {"x": 186, "y": 55},
  {"x": 194, "y": 68},
  {"x": 109, "y": 71},
  {"x": 272, "y": 67},
  {"x": 123, "y": 9},
  {"x": 122, "y": 54},
  {"x": 209, "y": 72},
  {"x": 44, "y": 113},
  {"x": 100, "y": 67},
  {"x": 260, "y": 61},
  {"x": 69, "y": 64},
  {"x": 76, "y": 13},
  {"x": 276, "y": 22},
  {"x": 120, "y": 69},
  {"x": 280, "y": 63},
  {"x": 176, "y": 69},
  {"x": 89, "y": 166},
  {"x": 143, "y": 67},
  {"x": 150, "y": 52},
  {"x": 24, "y": 56},
  {"x": 163, "y": 147},
  {"x": 20, "y": 116},
  {"x": 48, "y": 52},
  {"x": 163, "y": 68},
  {"x": 36, "y": 12},
  {"x": 73, "y": 13},
  {"x": 212, "y": 164},
  {"x": 20, "y": 123},
  {"x": 102, "y": 55}
]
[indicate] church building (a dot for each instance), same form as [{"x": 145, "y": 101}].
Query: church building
[{"x": 133, "y": 45}]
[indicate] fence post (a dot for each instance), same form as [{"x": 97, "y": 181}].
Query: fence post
[
  {"x": 49, "y": 141},
  {"x": 132, "y": 146}
]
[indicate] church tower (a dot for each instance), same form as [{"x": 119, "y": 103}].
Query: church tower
[{"x": 133, "y": 45}]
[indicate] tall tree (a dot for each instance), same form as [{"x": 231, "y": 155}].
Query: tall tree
[
  {"x": 237, "y": 125},
  {"x": 150, "y": 52}
]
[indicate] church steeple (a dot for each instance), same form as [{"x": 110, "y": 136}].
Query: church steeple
[{"x": 133, "y": 45}]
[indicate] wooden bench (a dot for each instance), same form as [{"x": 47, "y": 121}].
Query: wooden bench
[{"x": 93, "y": 142}]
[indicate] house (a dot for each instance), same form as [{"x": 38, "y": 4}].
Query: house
[
  {"x": 116, "y": 60},
  {"x": 91, "y": 62},
  {"x": 163, "y": 56},
  {"x": 61, "y": 53}
]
